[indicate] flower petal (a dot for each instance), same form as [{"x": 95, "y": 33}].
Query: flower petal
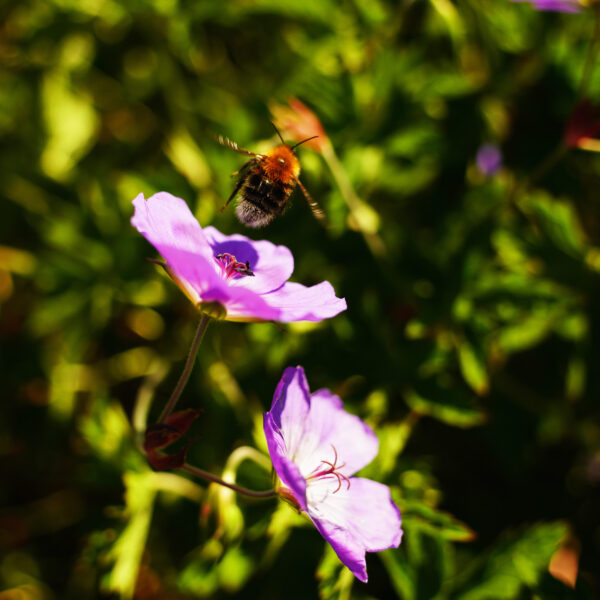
[
  {"x": 285, "y": 468},
  {"x": 169, "y": 225},
  {"x": 272, "y": 265},
  {"x": 557, "y": 5},
  {"x": 333, "y": 434},
  {"x": 290, "y": 407},
  {"x": 241, "y": 303},
  {"x": 296, "y": 302},
  {"x": 360, "y": 518},
  {"x": 284, "y": 428},
  {"x": 167, "y": 222}
]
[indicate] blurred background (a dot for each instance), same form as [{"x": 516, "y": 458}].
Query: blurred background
[{"x": 464, "y": 235}]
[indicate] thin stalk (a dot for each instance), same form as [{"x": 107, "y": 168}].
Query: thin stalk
[
  {"x": 545, "y": 165},
  {"x": 143, "y": 400},
  {"x": 232, "y": 486},
  {"x": 556, "y": 155},
  {"x": 590, "y": 55},
  {"x": 353, "y": 202},
  {"x": 542, "y": 168},
  {"x": 187, "y": 370}
]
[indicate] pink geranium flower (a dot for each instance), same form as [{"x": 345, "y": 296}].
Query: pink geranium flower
[
  {"x": 232, "y": 277},
  {"x": 555, "y": 5},
  {"x": 316, "y": 447}
]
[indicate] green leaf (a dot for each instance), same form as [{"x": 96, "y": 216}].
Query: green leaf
[
  {"x": 335, "y": 580},
  {"x": 392, "y": 440},
  {"x": 126, "y": 552},
  {"x": 71, "y": 122},
  {"x": 234, "y": 569},
  {"x": 440, "y": 523},
  {"x": 448, "y": 405},
  {"x": 559, "y": 222},
  {"x": 400, "y": 573},
  {"x": 473, "y": 368},
  {"x": 526, "y": 331},
  {"x": 421, "y": 567},
  {"x": 516, "y": 562}
]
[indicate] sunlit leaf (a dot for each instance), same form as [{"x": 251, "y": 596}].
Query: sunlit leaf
[
  {"x": 519, "y": 560},
  {"x": 421, "y": 566},
  {"x": 234, "y": 569},
  {"x": 335, "y": 580},
  {"x": 559, "y": 222},
  {"x": 449, "y": 406},
  {"x": 126, "y": 552},
  {"x": 473, "y": 367},
  {"x": 439, "y": 522},
  {"x": 71, "y": 122}
]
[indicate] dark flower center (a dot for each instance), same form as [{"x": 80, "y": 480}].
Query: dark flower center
[
  {"x": 231, "y": 267},
  {"x": 331, "y": 469}
]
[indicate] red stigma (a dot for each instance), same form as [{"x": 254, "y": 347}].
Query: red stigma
[
  {"x": 232, "y": 267},
  {"x": 332, "y": 470}
]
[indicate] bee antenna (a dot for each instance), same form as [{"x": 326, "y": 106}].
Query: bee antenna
[
  {"x": 306, "y": 140},
  {"x": 277, "y": 130}
]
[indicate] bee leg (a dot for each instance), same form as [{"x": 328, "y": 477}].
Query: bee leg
[
  {"x": 243, "y": 169},
  {"x": 242, "y": 177},
  {"x": 316, "y": 209},
  {"x": 236, "y": 189}
]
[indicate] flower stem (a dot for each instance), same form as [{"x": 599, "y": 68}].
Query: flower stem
[
  {"x": 187, "y": 370},
  {"x": 547, "y": 164},
  {"x": 354, "y": 203},
  {"x": 557, "y": 154},
  {"x": 232, "y": 486},
  {"x": 590, "y": 55}
]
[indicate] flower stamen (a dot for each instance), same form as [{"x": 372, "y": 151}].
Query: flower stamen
[
  {"x": 333, "y": 469},
  {"x": 232, "y": 267}
]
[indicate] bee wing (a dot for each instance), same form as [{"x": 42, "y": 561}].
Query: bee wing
[
  {"x": 316, "y": 209},
  {"x": 233, "y": 146}
]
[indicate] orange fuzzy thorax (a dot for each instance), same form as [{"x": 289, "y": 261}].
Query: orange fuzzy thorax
[{"x": 281, "y": 165}]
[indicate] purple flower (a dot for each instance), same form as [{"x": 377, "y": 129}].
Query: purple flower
[
  {"x": 489, "y": 159},
  {"x": 246, "y": 280},
  {"x": 316, "y": 447},
  {"x": 557, "y": 5}
]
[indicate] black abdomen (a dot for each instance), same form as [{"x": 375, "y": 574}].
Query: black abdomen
[{"x": 261, "y": 200}]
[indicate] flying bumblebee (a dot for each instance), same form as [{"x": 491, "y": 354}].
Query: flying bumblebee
[{"x": 266, "y": 182}]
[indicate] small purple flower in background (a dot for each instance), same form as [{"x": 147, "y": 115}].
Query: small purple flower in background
[
  {"x": 489, "y": 159},
  {"x": 556, "y": 5},
  {"x": 246, "y": 279},
  {"x": 316, "y": 447}
]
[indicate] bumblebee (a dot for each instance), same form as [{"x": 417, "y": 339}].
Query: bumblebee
[{"x": 266, "y": 182}]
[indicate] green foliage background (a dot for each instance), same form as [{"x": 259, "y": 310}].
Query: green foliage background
[{"x": 471, "y": 341}]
